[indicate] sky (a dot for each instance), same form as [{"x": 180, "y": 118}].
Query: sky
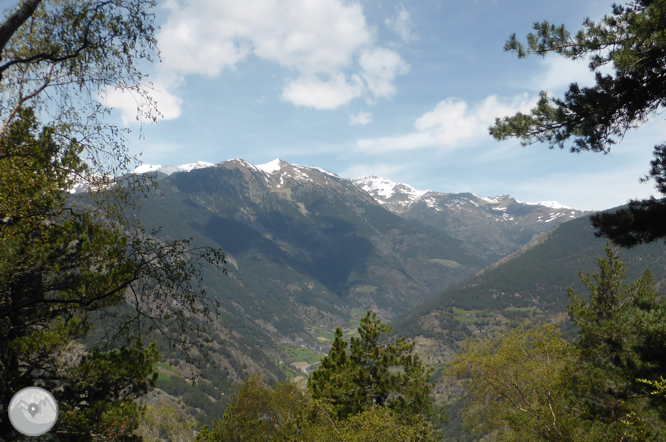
[{"x": 403, "y": 90}]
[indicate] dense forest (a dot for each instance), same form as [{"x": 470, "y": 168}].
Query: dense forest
[{"x": 92, "y": 303}]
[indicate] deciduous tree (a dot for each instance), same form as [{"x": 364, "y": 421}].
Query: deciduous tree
[
  {"x": 528, "y": 383},
  {"x": 66, "y": 271}
]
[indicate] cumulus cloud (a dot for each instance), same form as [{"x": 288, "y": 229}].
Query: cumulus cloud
[
  {"x": 380, "y": 67},
  {"x": 135, "y": 106},
  {"x": 318, "y": 94},
  {"x": 206, "y": 36},
  {"x": 362, "y": 118},
  {"x": 327, "y": 44},
  {"x": 401, "y": 24},
  {"x": 451, "y": 124}
]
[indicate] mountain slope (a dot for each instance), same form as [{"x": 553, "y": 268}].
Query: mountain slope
[
  {"x": 320, "y": 226},
  {"x": 532, "y": 281},
  {"x": 489, "y": 227},
  {"x": 308, "y": 251}
]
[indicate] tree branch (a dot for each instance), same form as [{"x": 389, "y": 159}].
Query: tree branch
[{"x": 11, "y": 25}]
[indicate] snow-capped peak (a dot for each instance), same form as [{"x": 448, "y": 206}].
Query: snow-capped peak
[
  {"x": 145, "y": 168},
  {"x": 385, "y": 188},
  {"x": 271, "y": 166},
  {"x": 551, "y": 204},
  {"x": 168, "y": 170},
  {"x": 319, "y": 169},
  {"x": 244, "y": 163}
]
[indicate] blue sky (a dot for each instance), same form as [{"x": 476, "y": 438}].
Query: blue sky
[{"x": 404, "y": 90}]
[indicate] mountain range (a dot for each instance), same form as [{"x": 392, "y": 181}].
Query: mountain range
[
  {"x": 309, "y": 251},
  {"x": 367, "y": 242}
]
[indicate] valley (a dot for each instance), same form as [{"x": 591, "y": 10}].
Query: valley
[{"x": 308, "y": 251}]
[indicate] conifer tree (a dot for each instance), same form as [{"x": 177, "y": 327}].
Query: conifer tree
[
  {"x": 372, "y": 373},
  {"x": 530, "y": 384},
  {"x": 631, "y": 40}
]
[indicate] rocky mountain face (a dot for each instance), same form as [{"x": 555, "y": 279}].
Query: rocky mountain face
[
  {"x": 320, "y": 231},
  {"x": 308, "y": 251},
  {"x": 490, "y": 228}
]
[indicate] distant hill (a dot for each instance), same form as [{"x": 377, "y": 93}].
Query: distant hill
[{"x": 530, "y": 282}]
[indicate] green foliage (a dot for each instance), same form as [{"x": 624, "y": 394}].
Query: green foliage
[
  {"x": 372, "y": 374},
  {"x": 60, "y": 56},
  {"x": 632, "y": 40},
  {"x": 79, "y": 278},
  {"x": 530, "y": 384},
  {"x": 259, "y": 413},
  {"x": 163, "y": 422},
  {"x": 622, "y": 339},
  {"x": 66, "y": 271},
  {"x": 519, "y": 382},
  {"x": 374, "y": 392}
]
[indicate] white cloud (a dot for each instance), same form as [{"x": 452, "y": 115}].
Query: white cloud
[
  {"x": 558, "y": 73},
  {"x": 318, "y": 94},
  {"x": 451, "y": 124},
  {"x": 206, "y": 36},
  {"x": 135, "y": 107},
  {"x": 380, "y": 67},
  {"x": 362, "y": 118},
  {"x": 402, "y": 24},
  {"x": 315, "y": 39}
]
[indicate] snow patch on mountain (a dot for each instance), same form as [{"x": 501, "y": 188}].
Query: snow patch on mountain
[
  {"x": 145, "y": 168},
  {"x": 243, "y": 163},
  {"x": 168, "y": 170},
  {"x": 550, "y": 204},
  {"x": 271, "y": 166},
  {"x": 493, "y": 200},
  {"x": 385, "y": 188},
  {"x": 319, "y": 169}
]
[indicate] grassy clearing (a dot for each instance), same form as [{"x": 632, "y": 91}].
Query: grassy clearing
[
  {"x": 320, "y": 332},
  {"x": 164, "y": 371},
  {"x": 530, "y": 310},
  {"x": 461, "y": 315},
  {"x": 289, "y": 372},
  {"x": 300, "y": 354},
  {"x": 365, "y": 290},
  {"x": 446, "y": 263}
]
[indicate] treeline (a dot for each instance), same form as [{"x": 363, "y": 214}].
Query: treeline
[
  {"x": 521, "y": 383},
  {"x": 366, "y": 389}
]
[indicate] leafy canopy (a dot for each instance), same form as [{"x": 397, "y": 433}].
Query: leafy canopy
[
  {"x": 61, "y": 58},
  {"x": 519, "y": 385},
  {"x": 80, "y": 279},
  {"x": 67, "y": 273},
  {"x": 631, "y": 39},
  {"x": 530, "y": 384}
]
